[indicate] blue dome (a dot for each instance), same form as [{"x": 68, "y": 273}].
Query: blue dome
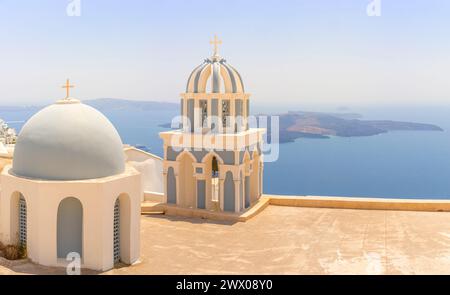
[
  {"x": 68, "y": 141},
  {"x": 216, "y": 73}
]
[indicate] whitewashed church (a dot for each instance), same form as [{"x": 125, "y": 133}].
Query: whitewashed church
[
  {"x": 70, "y": 189},
  {"x": 71, "y": 186}
]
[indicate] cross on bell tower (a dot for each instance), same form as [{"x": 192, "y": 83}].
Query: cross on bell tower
[{"x": 216, "y": 42}]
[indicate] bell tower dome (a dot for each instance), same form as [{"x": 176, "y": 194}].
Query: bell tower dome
[{"x": 216, "y": 90}]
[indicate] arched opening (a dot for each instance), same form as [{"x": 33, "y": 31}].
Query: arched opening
[
  {"x": 247, "y": 192},
  {"x": 229, "y": 193},
  {"x": 187, "y": 183},
  {"x": 241, "y": 192},
  {"x": 171, "y": 186},
  {"x": 18, "y": 222},
  {"x": 214, "y": 180},
  {"x": 255, "y": 179},
  {"x": 247, "y": 164},
  {"x": 70, "y": 227},
  {"x": 122, "y": 229},
  {"x": 212, "y": 164}
]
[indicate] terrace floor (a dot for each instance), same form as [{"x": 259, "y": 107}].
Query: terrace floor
[{"x": 290, "y": 240}]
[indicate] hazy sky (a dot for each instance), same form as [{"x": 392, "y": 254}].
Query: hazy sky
[{"x": 288, "y": 52}]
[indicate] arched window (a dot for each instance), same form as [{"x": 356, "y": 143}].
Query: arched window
[
  {"x": 204, "y": 113},
  {"x": 225, "y": 113},
  {"x": 215, "y": 167},
  {"x": 215, "y": 180},
  {"x": 22, "y": 221}
]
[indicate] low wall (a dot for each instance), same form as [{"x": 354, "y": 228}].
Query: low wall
[
  {"x": 170, "y": 209},
  {"x": 360, "y": 203},
  {"x": 297, "y": 201},
  {"x": 154, "y": 197}
]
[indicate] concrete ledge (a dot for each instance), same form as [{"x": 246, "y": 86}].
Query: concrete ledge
[
  {"x": 255, "y": 209},
  {"x": 11, "y": 263},
  {"x": 154, "y": 197},
  {"x": 148, "y": 207},
  {"x": 360, "y": 203},
  {"x": 173, "y": 210},
  {"x": 152, "y": 207}
]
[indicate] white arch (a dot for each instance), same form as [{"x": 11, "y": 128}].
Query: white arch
[
  {"x": 255, "y": 152},
  {"x": 246, "y": 156},
  {"x": 203, "y": 79},
  {"x": 67, "y": 225},
  {"x": 212, "y": 154},
  {"x": 184, "y": 152},
  {"x": 226, "y": 79},
  {"x": 186, "y": 196}
]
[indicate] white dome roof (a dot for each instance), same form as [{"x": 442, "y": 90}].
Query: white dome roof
[
  {"x": 217, "y": 73},
  {"x": 68, "y": 141}
]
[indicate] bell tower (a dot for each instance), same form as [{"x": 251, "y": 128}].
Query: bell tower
[{"x": 214, "y": 161}]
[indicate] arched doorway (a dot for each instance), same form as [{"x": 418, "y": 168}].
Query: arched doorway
[
  {"x": 70, "y": 227},
  {"x": 229, "y": 193},
  {"x": 187, "y": 183},
  {"x": 171, "y": 186}
]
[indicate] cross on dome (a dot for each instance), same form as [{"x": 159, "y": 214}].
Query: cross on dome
[{"x": 68, "y": 86}]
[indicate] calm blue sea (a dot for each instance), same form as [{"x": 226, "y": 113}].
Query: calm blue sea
[{"x": 395, "y": 165}]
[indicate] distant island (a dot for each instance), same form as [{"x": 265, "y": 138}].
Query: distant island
[{"x": 293, "y": 125}]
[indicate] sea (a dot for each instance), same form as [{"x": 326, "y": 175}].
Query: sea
[{"x": 401, "y": 164}]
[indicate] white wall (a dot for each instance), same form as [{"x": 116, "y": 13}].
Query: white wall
[
  {"x": 97, "y": 197},
  {"x": 150, "y": 167}
]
